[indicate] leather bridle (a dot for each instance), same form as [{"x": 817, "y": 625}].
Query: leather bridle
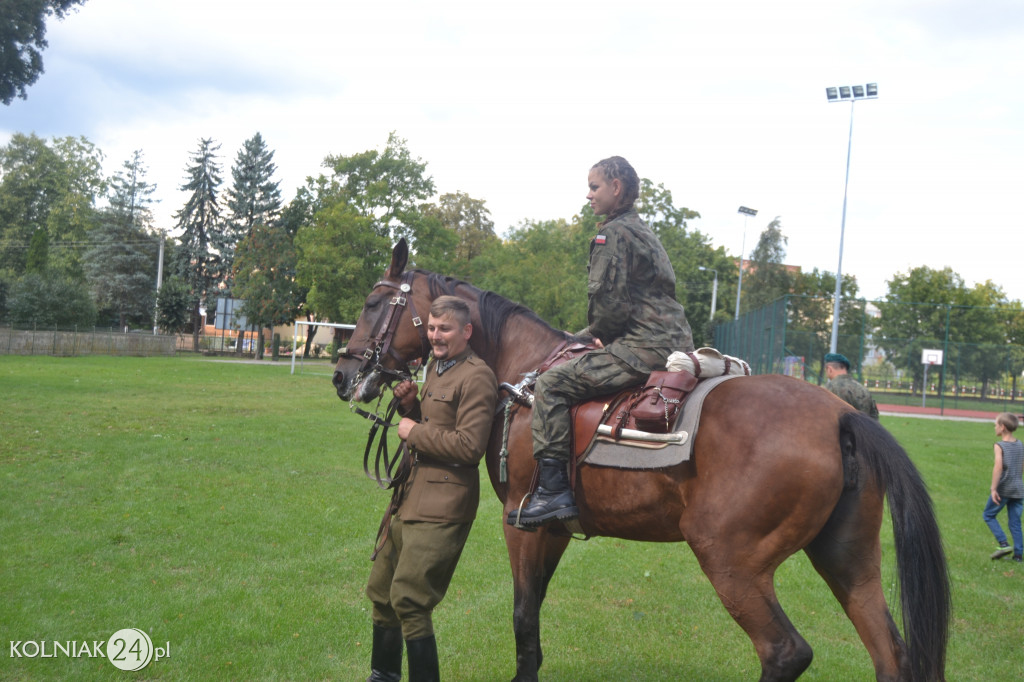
[
  {"x": 389, "y": 470},
  {"x": 384, "y": 333}
]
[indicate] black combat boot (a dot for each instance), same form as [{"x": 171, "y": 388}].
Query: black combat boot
[
  {"x": 553, "y": 499},
  {"x": 386, "y": 658},
  {"x": 423, "y": 659}
]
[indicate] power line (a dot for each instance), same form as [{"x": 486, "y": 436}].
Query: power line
[{"x": 79, "y": 245}]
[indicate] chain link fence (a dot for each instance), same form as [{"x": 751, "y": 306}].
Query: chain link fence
[{"x": 886, "y": 343}]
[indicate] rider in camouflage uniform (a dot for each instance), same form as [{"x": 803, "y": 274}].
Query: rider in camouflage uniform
[
  {"x": 634, "y": 318},
  {"x": 840, "y": 382}
]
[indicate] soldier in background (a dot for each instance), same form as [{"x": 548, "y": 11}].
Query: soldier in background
[{"x": 837, "y": 369}]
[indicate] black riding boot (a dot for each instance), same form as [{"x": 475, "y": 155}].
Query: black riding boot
[
  {"x": 423, "y": 659},
  {"x": 553, "y": 499},
  {"x": 386, "y": 658}
]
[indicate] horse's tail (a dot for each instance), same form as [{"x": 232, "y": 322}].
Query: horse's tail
[{"x": 920, "y": 559}]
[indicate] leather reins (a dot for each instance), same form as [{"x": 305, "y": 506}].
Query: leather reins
[{"x": 385, "y": 464}]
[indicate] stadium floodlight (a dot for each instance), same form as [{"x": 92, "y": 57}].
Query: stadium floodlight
[
  {"x": 747, "y": 212},
  {"x": 869, "y": 91}
]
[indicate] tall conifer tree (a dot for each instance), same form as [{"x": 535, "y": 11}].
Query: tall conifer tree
[
  {"x": 121, "y": 262},
  {"x": 253, "y": 199},
  {"x": 198, "y": 261}
]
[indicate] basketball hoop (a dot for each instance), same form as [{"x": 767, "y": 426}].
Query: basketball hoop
[{"x": 929, "y": 358}]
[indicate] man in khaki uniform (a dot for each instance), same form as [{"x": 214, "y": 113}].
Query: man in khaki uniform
[{"x": 446, "y": 429}]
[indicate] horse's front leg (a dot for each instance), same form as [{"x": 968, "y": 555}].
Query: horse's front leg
[{"x": 534, "y": 557}]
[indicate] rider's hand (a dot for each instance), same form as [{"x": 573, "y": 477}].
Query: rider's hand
[{"x": 406, "y": 393}]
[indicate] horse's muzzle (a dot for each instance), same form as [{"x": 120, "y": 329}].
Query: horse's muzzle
[
  {"x": 359, "y": 387},
  {"x": 342, "y": 385}
]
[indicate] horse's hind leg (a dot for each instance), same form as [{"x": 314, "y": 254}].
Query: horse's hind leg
[
  {"x": 847, "y": 554},
  {"x": 534, "y": 558},
  {"x": 745, "y": 584}
]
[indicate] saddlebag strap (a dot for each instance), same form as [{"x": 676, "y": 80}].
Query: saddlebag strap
[{"x": 564, "y": 351}]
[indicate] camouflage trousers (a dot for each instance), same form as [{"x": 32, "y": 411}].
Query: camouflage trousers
[{"x": 598, "y": 372}]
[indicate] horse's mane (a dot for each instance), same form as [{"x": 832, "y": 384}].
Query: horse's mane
[{"x": 494, "y": 308}]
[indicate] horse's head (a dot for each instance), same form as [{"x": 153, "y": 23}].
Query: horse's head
[{"x": 390, "y": 333}]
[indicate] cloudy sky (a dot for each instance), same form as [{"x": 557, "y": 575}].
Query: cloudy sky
[{"x": 722, "y": 102}]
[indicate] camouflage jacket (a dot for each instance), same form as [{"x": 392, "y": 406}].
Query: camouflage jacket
[
  {"x": 632, "y": 306},
  {"x": 847, "y": 388}
]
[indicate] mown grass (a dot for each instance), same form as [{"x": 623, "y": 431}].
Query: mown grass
[{"x": 221, "y": 507}]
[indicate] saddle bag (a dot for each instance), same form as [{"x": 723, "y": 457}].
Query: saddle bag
[{"x": 657, "y": 406}]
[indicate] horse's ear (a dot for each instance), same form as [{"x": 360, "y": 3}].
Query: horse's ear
[{"x": 399, "y": 259}]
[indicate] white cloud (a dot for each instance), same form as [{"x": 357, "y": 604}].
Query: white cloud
[{"x": 723, "y": 103}]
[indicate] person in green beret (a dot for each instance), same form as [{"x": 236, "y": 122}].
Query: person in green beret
[{"x": 837, "y": 369}]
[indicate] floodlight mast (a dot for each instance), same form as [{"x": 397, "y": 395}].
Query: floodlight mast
[
  {"x": 851, "y": 94},
  {"x": 743, "y": 247}
]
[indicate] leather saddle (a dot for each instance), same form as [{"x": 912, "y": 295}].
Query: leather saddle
[{"x": 653, "y": 407}]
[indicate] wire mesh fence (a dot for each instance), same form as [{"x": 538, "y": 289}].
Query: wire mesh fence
[{"x": 887, "y": 343}]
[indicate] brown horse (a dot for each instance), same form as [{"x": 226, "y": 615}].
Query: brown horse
[{"x": 778, "y": 466}]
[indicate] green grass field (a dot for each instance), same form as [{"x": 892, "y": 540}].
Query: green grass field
[{"x": 221, "y": 507}]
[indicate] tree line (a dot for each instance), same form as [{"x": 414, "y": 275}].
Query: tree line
[{"x": 77, "y": 247}]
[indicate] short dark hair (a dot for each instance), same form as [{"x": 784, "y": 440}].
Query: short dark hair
[{"x": 451, "y": 305}]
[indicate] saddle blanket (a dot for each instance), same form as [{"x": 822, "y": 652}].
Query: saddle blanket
[{"x": 629, "y": 454}]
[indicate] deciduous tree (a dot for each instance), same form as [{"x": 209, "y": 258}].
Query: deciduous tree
[
  {"x": 51, "y": 187},
  {"x": 22, "y": 41},
  {"x": 470, "y": 221},
  {"x": 50, "y": 300},
  {"x": 385, "y": 187},
  {"x": 370, "y": 200},
  {"x": 918, "y": 313},
  {"x": 265, "y": 276}
]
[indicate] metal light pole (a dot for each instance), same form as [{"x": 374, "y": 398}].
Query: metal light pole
[
  {"x": 714, "y": 288},
  {"x": 743, "y": 247},
  {"x": 159, "y": 280},
  {"x": 851, "y": 94}
]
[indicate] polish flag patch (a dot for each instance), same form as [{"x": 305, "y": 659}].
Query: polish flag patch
[{"x": 599, "y": 239}]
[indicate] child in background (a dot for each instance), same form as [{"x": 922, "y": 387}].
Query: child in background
[{"x": 1007, "y": 487}]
